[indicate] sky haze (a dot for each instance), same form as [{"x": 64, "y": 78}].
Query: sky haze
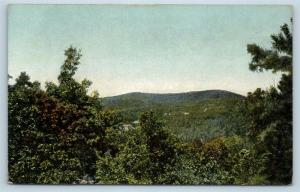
[{"x": 158, "y": 49}]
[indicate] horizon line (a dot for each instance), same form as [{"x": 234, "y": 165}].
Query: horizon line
[{"x": 173, "y": 93}]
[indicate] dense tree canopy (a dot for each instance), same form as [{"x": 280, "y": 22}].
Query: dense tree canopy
[{"x": 54, "y": 135}]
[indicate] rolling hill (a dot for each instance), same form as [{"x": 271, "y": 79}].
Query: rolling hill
[
  {"x": 192, "y": 115},
  {"x": 138, "y": 98}
]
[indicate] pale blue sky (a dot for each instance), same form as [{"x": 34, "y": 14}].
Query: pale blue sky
[{"x": 145, "y": 48}]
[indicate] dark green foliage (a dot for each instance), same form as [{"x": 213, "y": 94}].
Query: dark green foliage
[
  {"x": 129, "y": 163},
  {"x": 271, "y": 129},
  {"x": 54, "y": 134},
  {"x": 204, "y": 119},
  {"x": 35, "y": 153},
  {"x": 161, "y": 146},
  {"x": 270, "y": 111},
  {"x": 143, "y": 154},
  {"x": 278, "y": 59},
  {"x": 148, "y": 154},
  {"x": 145, "y": 99}
]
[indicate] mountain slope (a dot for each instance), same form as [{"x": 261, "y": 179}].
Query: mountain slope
[
  {"x": 193, "y": 115},
  {"x": 137, "y": 98}
]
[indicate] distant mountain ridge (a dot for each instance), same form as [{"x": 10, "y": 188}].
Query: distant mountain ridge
[
  {"x": 190, "y": 115},
  {"x": 168, "y": 98}
]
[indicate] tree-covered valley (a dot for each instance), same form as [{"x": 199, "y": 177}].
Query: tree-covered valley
[{"x": 63, "y": 134}]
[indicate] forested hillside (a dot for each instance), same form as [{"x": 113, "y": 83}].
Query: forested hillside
[
  {"x": 144, "y": 99},
  {"x": 60, "y": 134},
  {"x": 199, "y": 115}
]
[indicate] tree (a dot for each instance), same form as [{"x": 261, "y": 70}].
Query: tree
[
  {"x": 270, "y": 111},
  {"x": 128, "y": 159},
  {"x": 85, "y": 131},
  {"x": 161, "y": 145},
  {"x": 54, "y": 135},
  {"x": 144, "y": 155},
  {"x": 22, "y": 129}
]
